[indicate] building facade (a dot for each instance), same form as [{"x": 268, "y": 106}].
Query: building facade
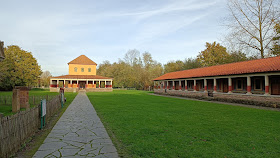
[
  {"x": 249, "y": 78},
  {"x": 82, "y": 75}
]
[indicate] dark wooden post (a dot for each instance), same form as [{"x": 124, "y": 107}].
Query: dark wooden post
[{"x": 16, "y": 100}]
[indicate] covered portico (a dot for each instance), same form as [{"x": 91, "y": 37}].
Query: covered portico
[
  {"x": 249, "y": 84},
  {"x": 77, "y": 82}
]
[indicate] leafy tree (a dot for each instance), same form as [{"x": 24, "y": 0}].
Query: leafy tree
[
  {"x": 19, "y": 68},
  {"x": 236, "y": 57},
  {"x": 172, "y": 66},
  {"x": 214, "y": 54},
  {"x": 132, "y": 71},
  {"x": 276, "y": 40},
  {"x": 45, "y": 78},
  {"x": 251, "y": 24},
  {"x": 191, "y": 63}
]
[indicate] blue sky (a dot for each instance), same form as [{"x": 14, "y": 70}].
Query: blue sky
[{"x": 56, "y": 32}]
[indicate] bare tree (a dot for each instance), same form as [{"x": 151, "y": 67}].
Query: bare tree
[
  {"x": 251, "y": 24},
  {"x": 45, "y": 78},
  {"x": 132, "y": 56}
]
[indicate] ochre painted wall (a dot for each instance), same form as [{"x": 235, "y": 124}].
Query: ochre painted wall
[{"x": 79, "y": 71}]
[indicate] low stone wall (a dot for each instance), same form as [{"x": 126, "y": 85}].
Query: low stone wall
[
  {"x": 258, "y": 100},
  {"x": 17, "y": 128},
  {"x": 87, "y": 89},
  {"x": 99, "y": 89}
]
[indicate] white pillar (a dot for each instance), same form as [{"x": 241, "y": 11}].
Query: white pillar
[
  {"x": 99, "y": 84},
  {"x": 186, "y": 85},
  {"x": 173, "y": 85},
  {"x": 205, "y": 85},
  {"x": 105, "y": 84},
  {"x": 266, "y": 81},
  {"x": 57, "y": 82},
  {"x": 229, "y": 85},
  {"x": 194, "y": 85},
  {"x": 248, "y": 85},
  {"x": 215, "y": 85},
  {"x": 180, "y": 85}
]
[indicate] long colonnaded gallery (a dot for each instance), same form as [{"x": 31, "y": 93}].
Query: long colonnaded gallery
[
  {"x": 82, "y": 75},
  {"x": 250, "y": 80}
]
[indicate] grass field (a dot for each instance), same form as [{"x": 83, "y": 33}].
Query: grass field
[
  {"x": 143, "y": 125},
  {"x": 7, "y": 109}
]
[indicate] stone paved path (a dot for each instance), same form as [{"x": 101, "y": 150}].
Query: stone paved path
[{"x": 78, "y": 133}]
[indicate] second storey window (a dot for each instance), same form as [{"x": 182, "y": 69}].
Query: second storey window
[
  {"x": 82, "y": 69},
  {"x": 75, "y": 69},
  {"x": 89, "y": 69}
]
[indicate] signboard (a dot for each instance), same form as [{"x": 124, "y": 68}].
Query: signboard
[{"x": 44, "y": 107}]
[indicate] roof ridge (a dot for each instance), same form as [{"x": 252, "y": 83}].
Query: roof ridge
[
  {"x": 269, "y": 64},
  {"x": 82, "y": 59},
  {"x": 226, "y": 64}
]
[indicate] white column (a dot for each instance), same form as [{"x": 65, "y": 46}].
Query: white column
[
  {"x": 180, "y": 85},
  {"x": 215, "y": 85},
  {"x": 248, "y": 85},
  {"x": 266, "y": 81},
  {"x": 186, "y": 85},
  {"x": 194, "y": 85},
  {"x": 57, "y": 83},
  {"x": 105, "y": 84},
  {"x": 173, "y": 85},
  {"x": 229, "y": 85},
  {"x": 205, "y": 85}
]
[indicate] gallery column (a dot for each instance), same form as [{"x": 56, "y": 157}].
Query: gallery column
[
  {"x": 266, "y": 81},
  {"x": 205, "y": 85},
  {"x": 248, "y": 85},
  {"x": 215, "y": 85},
  {"x": 194, "y": 85},
  {"x": 229, "y": 85}
]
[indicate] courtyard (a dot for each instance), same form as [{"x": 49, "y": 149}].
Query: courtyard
[{"x": 143, "y": 125}]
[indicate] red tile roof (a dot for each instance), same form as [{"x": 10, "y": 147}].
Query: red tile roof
[
  {"x": 83, "y": 60},
  {"x": 81, "y": 77},
  {"x": 246, "y": 67}
]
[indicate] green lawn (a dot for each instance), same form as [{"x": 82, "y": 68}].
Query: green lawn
[
  {"x": 7, "y": 109},
  {"x": 143, "y": 125}
]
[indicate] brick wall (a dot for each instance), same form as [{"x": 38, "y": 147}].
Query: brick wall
[{"x": 258, "y": 100}]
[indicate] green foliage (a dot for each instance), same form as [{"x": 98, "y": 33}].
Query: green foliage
[
  {"x": 214, "y": 54},
  {"x": 236, "y": 57},
  {"x": 276, "y": 40},
  {"x": 143, "y": 125},
  {"x": 191, "y": 63},
  {"x": 173, "y": 66},
  {"x": 132, "y": 71},
  {"x": 19, "y": 68}
]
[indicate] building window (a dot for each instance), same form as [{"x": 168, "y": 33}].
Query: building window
[
  {"x": 239, "y": 84},
  {"x": 258, "y": 84},
  {"x": 75, "y": 69},
  {"x": 89, "y": 69},
  {"x": 82, "y": 69}
]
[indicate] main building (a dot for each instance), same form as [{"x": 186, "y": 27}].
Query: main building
[{"x": 82, "y": 75}]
